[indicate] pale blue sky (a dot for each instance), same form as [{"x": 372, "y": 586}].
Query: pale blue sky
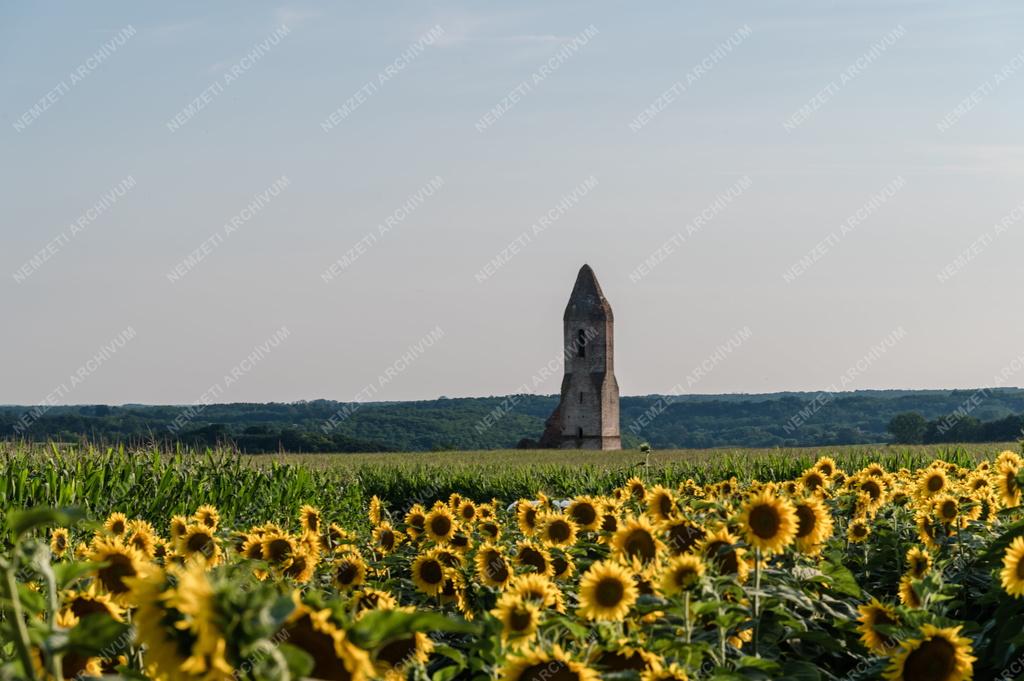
[{"x": 879, "y": 126}]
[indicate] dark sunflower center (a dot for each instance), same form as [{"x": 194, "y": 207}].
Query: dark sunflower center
[
  {"x": 806, "y": 521},
  {"x": 431, "y": 572},
  {"x": 555, "y": 670},
  {"x": 609, "y": 592},
  {"x": 873, "y": 490},
  {"x": 387, "y": 540},
  {"x": 520, "y": 620},
  {"x": 584, "y": 514},
  {"x": 117, "y": 527},
  {"x": 533, "y": 558},
  {"x": 278, "y": 550},
  {"x": 764, "y": 521},
  {"x": 346, "y": 573},
  {"x": 113, "y": 575},
  {"x": 559, "y": 531},
  {"x": 727, "y": 561},
  {"x": 200, "y": 543},
  {"x": 313, "y": 522},
  {"x": 813, "y": 482},
  {"x": 684, "y": 575},
  {"x": 664, "y": 505},
  {"x": 82, "y": 607},
  {"x": 935, "y": 483},
  {"x": 640, "y": 543},
  {"x": 62, "y": 542},
  {"x": 949, "y": 509},
  {"x": 935, "y": 660},
  {"x": 609, "y": 523},
  {"x": 530, "y": 517},
  {"x": 1020, "y": 568},
  {"x": 397, "y": 652},
  {"x": 495, "y": 567},
  {"x": 560, "y": 565},
  {"x": 320, "y": 647},
  {"x": 440, "y": 525},
  {"x": 683, "y": 536}
]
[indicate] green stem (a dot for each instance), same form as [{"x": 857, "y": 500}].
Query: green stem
[
  {"x": 21, "y": 642},
  {"x": 686, "y": 616},
  {"x": 757, "y": 597}
]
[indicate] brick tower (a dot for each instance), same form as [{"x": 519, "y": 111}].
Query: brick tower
[{"x": 587, "y": 416}]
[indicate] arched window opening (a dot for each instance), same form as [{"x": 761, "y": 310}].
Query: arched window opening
[
  {"x": 581, "y": 397},
  {"x": 581, "y": 344},
  {"x": 579, "y": 433}
]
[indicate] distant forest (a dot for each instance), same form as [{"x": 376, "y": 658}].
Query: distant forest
[{"x": 685, "y": 421}]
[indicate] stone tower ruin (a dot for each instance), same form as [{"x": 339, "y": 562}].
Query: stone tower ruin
[{"x": 587, "y": 417}]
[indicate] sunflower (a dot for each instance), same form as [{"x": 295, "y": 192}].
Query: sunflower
[
  {"x": 635, "y": 488},
  {"x": 681, "y": 573},
  {"x": 932, "y": 481},
  {"x": 946, "y": 508},
  {"x": 466, "y": 511},
  {"x": 858, "y": 531},
  {"x": 279, "y": 549},
  {"x": 428, "y": 573},
  {"x": 526, "y": 515},
  {"x": 122, "y": 563},
  {"x": 625, "y": 658},
  {"x": 583, "y": 512},
  {"x": 84, "y": 603},
  {"x": 415, "y": 520},
  {"x": 394, "y": 658},
  {"x": 59, "y": 542},
  {"x": 490, "y": 529},
  {"x": 919, "y": 562},
  {"x": 207, "y": 515},
  {"x": 539, "y": 589},
  {"x": 519, "y": 618},
  {"x": 540, "y": 665},
  {"x": 367, "y": 599},
  {"x": 557, "y": 530},
  {"x": 531, "y": 555},
  {"x": 637, "y": 538},
  {"x": 814, "y": 525},
  {"x": 348, "y": 571},
  {"x": 178, "y": 528},
  {"x": 926, "y": 529},
  {"x": 606, "y": 592},
  {"x": 1012, "y": 575},
  {"x": 374, "y": 510},
  {"x": 661, "y": 503},
  {"x": 939, "y": 655},
  {"x": 718, "y": 549},
  {"x": 439, "y": 524},
  {"x": 492, "y": 567},
  {"x": 334, "y": 656},
  {"x": 908, "y": 593},
  {"x": 1006, "y": 477},
  {"x": 385, "y": 538},
  {"x": 142, "y": 536},
  {"x": 826, "y": 465},
  {"x": 116, "y": 524},
  {"x": 769, "y": 522},
  {"x": 562, "y": 565},
  {"x": 199, "y": 542},
  {"x": 682, "y": 535},
  {"x": 177, "y": 621},
  {"x": 309, "y": 518},
  {"x": 871, "y": 615},
  {"x": 813, "y": 481}
]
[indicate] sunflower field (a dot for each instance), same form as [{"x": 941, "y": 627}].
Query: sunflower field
[{"x": 234, "y": 572}]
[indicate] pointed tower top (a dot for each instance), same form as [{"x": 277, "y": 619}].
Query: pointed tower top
[{"x": 587, "y": 302}]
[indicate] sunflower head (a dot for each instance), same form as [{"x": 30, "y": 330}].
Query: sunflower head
[
  {"x": 681, "y": 573},
  {"x": 309, "y": 518},
  {"x": 207, "y": 515},
  {"x": 199, "y": 542},
  {"x": 557, "y": 529},
  {"x": 439, "y": 524},
  {"x": 1012, "y": 574},
  {"x": 939, "y": 654},
  {"x": 531, "y": 556},
  {"x": 637, "y": 538},
  {"x": 872, "y": 615},
  {"x": 59, "y": 542},
  {"x": 519, "y": 618},
  {"x": 121, "y": 563},
  {"x": 814, "y": 525},
  {"x": 858, "y": 531},
  {"x": 429, "y": 573},
  {"x": 385, "y": 538},
  {"x": 492, "y": 566},
  {"x": 540, "y": 665},
  {"x": 769, "y": 522},
  {"x": 919, "y": 562},
  {"x": 583, "y": 511},
  {"x": 661, "y": 503},
  {"x": 348, "y": 571},
  {"x": 607, "y": 592},
  {"x": 116, "y": 524}
]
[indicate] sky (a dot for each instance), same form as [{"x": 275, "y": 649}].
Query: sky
[{"x": 275, "y": 202}]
